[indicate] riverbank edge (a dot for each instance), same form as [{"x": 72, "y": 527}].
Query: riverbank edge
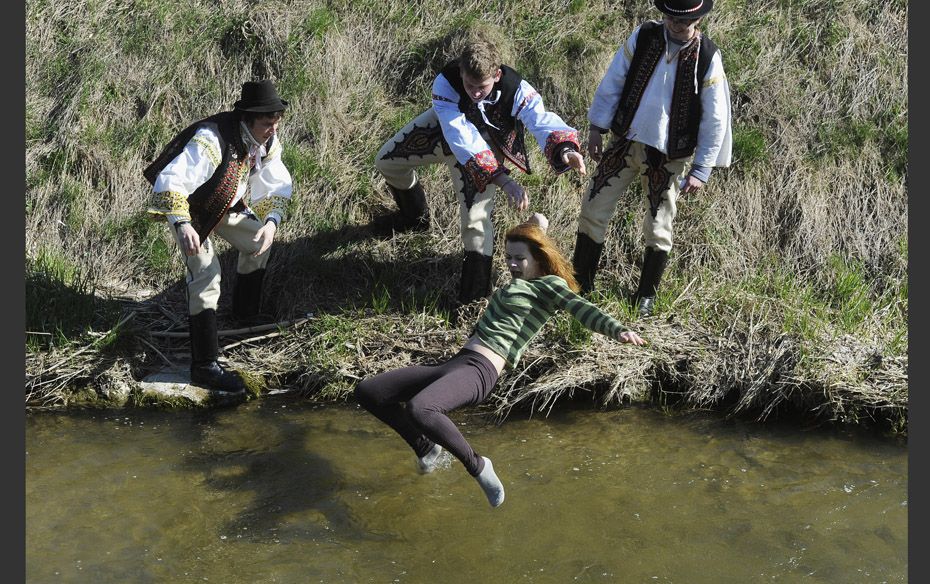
[{"x": 750, "y": 375}]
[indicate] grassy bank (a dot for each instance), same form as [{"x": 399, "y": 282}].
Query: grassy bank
[{"x": 786, "y": 292}]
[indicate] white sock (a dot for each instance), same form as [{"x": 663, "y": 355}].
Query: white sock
[
  {"x": 429, "y": 461},
  {"x": 490, "y": 484}
]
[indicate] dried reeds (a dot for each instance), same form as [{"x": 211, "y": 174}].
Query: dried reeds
[{"x": 781, "y": 265}]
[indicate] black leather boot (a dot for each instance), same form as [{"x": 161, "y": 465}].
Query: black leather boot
[
  {"x": 654, "y": 262},
  {"x": 413, "y": 213},
  {"x": 247, "y": 296},
  {"x": 584, "y": 261},
  {"x": 476, "y": 277},
  {"x": 206, "y": 371}
]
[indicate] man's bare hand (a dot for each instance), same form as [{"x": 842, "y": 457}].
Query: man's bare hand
[
  {"x": 574, "y": 160},
  {"x": 691, "y": 184},
  {"x": 516, "y": 195},
  {"x": 189, "y": 240},
  {"x": 264, "y": 237}
]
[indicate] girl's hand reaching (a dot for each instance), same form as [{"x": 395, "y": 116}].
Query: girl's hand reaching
[{"x": 631, "y": 337}]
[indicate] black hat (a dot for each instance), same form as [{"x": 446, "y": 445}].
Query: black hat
[
  {"x": 261, "y": 97},
  {"x": 685, "y": 8}
]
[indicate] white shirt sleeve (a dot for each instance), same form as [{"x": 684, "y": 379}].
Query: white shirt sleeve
[
  {"x": 271, "y": 186},
  {"x": 193, "y": 166},
  {"x": 714, "y": 143},
  {"x": 607, "y": 95},
  {"x": 184, "y": 174},
  {"x": 547, "y": 127}
]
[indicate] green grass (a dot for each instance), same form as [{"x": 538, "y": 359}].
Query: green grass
[
  {"x": 741, "y": 52},
  {"x": 849, "y": 295},
  {"x": 893, "y": 140},
  {"x": 749, "y": 146},
  {"x": 380, "y": 299},
  {"x": 844, "y": 137},
  {"x": 806, "y": 119},
  {"x": 567, "y": 329},
  {"x": 144, "y": 236},
  {"x": 318, "y": 22},
  {"x": 59, "y": 300},
  {"x": 334, "y": 334}
]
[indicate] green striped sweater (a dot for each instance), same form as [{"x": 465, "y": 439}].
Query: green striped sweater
[{"x": 519, "y": 310}]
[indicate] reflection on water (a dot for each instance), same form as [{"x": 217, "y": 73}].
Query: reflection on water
[{"x": 277, "y": 491}]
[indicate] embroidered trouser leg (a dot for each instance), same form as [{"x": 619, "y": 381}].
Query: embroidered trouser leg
[
  {"x": 622, "y": 162},
  {"x": 475, "y": 209},
  {"x": 661, "y": 180},
  {"x": 203, "y": 269},
  {"x": 431, "y": 392},
  {"x": 421, "y": 142}
]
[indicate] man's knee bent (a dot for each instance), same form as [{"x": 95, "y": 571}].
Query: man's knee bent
[{"x": 399, "y": 176}]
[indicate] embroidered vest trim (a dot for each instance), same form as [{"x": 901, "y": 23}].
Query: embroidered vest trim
[{"x": 685, "y": 114}]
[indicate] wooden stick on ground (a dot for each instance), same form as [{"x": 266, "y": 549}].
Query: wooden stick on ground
[
  {"x": 234, "y": 332},
  {"x": 165, "y": 359}
]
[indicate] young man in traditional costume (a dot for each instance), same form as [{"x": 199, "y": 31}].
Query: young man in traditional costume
[
  {"x": 666, "y": 100},
  {"x": 480, "y": 108},
  {"x": 223, "y": 175}
]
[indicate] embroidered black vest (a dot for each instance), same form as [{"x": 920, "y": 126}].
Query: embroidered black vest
[
  {"x": 210, "y": 200},
  {"x": 509, "y": 134},
  {"x": 685, "y": 114}
]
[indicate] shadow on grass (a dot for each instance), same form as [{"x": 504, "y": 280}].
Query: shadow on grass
[
  {"x": 66, "y": 319},
  {"x": 350, "y": 268},
  {"x": 340, "y": 269},
  {"x": 62, "y": 308}
]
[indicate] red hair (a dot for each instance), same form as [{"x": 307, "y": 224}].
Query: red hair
[{"x": 550, "y": 259}]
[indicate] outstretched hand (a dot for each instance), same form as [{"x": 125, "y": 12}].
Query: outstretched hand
[{"x": 631, "y": 337}]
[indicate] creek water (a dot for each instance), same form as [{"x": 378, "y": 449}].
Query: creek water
[{"x": 278, "y": 490}]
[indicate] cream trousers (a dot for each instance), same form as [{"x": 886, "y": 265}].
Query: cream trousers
[
  {"x": 203, "y": 269},
  {"x": 420, "y": 143},
  {"x": 623, "y": 161}
]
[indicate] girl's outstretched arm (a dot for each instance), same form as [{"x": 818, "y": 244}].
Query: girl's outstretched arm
[{"x": 588, "y": 314}]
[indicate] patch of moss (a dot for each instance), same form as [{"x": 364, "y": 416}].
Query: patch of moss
[
  {"x": 255, "y": 384},
  {"x": 140, "y": 399}
]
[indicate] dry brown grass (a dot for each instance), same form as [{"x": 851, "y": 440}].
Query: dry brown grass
[{"x": 108, "y": 83}]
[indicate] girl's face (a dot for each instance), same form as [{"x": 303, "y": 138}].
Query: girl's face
[
  {"x": 478, "y": 89},
  {"x": 520, "y": 261}
]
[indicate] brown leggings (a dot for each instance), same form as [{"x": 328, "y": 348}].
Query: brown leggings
[{"x": 430, "y": 392}]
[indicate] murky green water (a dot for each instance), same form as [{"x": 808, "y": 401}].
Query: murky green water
[{"x": 281, "y": 491}]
